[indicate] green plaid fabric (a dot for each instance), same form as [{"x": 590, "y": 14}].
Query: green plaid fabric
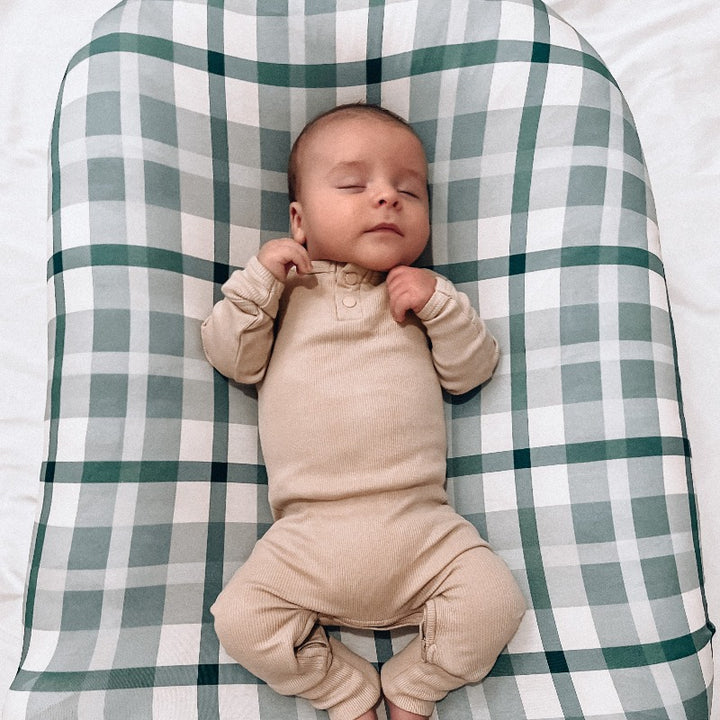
[{"x": 168, "y": 158}]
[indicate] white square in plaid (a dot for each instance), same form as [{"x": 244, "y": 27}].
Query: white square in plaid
[
  {"x": 658, "y": 291},
  {"x": 351, "y": 35},
  {"x": 396, "y": 96},
  {"x": 232, "y": 698},
  {"x": 546, "y": 426},
  {"x": 542, "y": 229},
  {"x": 361, "y": 642},
  {"x": 241, "y": 503},
  {"x": 563, "y": 85},
  {"x": 493, "y": 236},
  {"x": 76, "y": 84},
  {"x": 399, "y": 25},
  {"x": 693, "y": 610},
  {"x": 517, "y": 22},
  {"x": 192, "y": 502},
  {"x": 653, "y": 233},
  {"x": 576, "y": 628},
  {"x": 192, "y": 90},
  {"x": 41, "y": 649},
  {"x": 562, "y": 34},
  {"x": 75, "y": 220},
  {"x": 673, "y": 469},
  {"x": 78, "y": 284},
  {"x": 63, "y": 511},
  {"x": 539, "y": 697},
  {"x": 171, "y": 703},
  {"x": 493, "y": 294},
  {"x": 550, "y": 485},
  {"x": 240, "y": 35},
  {"x": 244, "y": 243},
  {"x": 499, "y": 491},
  {"x": 71, "y": 434},
  {"x": 509, "y": 83},
  {"x": 596, "y": 693},
  {"x": 177, "y": 642},
  {"x": 242, "y": 444},
  {"x": 542, "y": 290},
  {"x": 197, "y": 299},
  {"x": 350, "y": 94},
  {"x": 496, "y": 429},
  {"x": 190, "y": 24},
  {"x": 669, "y": 418},
  {"x": 196, "y": 440},
  {"x": 243, "y": 105}
]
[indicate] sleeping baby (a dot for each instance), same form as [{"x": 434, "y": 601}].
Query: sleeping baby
[{"x": 350, "y": 347}]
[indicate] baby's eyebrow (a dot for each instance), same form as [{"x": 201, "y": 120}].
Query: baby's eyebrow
[
  {"x": 347, "y": 166},
  {"x": 350, "y": 166}
]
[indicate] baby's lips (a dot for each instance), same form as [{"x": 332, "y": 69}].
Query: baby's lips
[{"x": 386, "y": 226}]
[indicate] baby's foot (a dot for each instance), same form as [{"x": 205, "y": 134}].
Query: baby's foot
[
  {"x": 397, "y": 713},
  {"x": 369, "y": 715}
]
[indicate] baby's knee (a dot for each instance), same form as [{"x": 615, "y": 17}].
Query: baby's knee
[
  {"x": 278, "y": 643},
  {"x": 234, "y": 614},
  {"x": 477, "y": 620}
]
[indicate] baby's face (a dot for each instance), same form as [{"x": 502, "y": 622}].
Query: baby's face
[{"x": 362, "y": 194}]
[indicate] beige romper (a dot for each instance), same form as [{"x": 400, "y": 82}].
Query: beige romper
[{"x": 352, "y": 429}]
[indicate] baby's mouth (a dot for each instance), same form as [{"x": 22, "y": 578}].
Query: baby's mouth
[{"x": 386, "y": 227}]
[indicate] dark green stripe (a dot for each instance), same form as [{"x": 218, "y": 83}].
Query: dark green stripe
[
  {"x": 508, "y": 664},
  {"x": 152, "y": 471},
  {"x": 218, "y": 271},
  {"x": 421, "y": 61},
  {"x": 529, "y": 534},
  {"x": 539, "y": 260},
  {"x": 571, "y": 454},
  {"x": 219, "y": 472},
  {"x": 136, "y": 256},
  {"x": 142, "y": 471}
]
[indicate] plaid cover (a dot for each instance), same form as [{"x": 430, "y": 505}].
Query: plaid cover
[{"x": 168, "y": 155}]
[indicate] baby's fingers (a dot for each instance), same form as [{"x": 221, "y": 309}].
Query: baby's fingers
[
  {"x": 278, "y": 256},
  {"x": 299, "y": 258},
  {"x": 400, "y": 303}
]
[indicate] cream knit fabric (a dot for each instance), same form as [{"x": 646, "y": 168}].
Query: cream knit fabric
[{"x": 352, "y": 430}]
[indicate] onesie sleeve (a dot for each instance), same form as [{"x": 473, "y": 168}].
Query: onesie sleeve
[
  {"x": 238, "y": 335},
  {"x": 464, "y": 351}
]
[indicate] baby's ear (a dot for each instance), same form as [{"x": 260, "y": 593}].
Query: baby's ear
[{"x": 296, "y": 225}]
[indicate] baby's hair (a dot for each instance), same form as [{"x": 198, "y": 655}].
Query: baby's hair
[{"x": 358, "y": 108}]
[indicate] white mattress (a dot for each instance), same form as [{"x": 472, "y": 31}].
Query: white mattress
[{"x": 665, "y": 56}]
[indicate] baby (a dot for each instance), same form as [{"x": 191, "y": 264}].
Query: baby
[{"x": 350, "y": 346}]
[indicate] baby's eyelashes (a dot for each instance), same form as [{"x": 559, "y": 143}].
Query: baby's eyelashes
[{"x": 353, "y": 186}]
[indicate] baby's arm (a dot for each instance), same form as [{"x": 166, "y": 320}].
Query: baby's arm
[
  {"x": 238, "y": 335},
  {"x": 464, "y": 352}
]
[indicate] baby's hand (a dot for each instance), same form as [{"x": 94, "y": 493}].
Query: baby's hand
[
  {"x": 278, "y": 256},
  {"x": 409, "y": 289}
]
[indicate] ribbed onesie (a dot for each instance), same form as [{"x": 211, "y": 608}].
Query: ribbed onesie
[{"x": 352, "y": 430}]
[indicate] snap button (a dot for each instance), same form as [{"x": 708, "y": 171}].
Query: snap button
[
  {"x": 351, "y": 278},
  {"x": 349, "y": 301}
]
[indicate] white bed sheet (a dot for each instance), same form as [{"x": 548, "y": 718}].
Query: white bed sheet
[{"x": 665, "y": 55}]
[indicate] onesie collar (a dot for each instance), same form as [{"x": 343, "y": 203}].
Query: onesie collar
[{"x": 348, "y": 273}]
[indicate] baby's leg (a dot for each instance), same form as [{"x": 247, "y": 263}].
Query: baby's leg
[
  {"x": 282, "y": 644},
  {"x": 466, "y": 625}
]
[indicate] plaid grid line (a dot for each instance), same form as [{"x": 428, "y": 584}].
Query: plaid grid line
[
  {"x": 370, "y": 71},
  {"x": 463, "y": 272},
  {"x": 168, "y": 153}
]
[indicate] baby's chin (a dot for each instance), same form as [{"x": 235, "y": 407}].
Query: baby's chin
[{"x": 382, "y": 264}]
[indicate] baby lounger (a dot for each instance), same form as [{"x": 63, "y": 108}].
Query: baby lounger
[{"x": 168, "y": 156}]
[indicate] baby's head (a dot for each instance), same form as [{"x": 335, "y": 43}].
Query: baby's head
[{"x": 357, "y": 180}]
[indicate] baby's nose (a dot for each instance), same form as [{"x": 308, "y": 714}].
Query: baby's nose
[{"x": 388, "y": 196}]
